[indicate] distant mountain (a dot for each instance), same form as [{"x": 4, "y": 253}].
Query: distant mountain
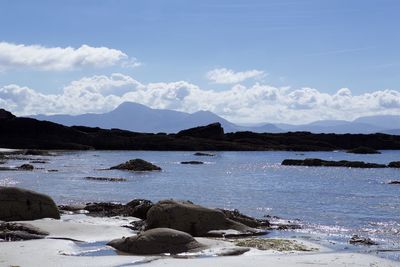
[{"x": 140, "y": 118}]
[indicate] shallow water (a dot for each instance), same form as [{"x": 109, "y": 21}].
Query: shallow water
[{"x": 331, "y": 203}]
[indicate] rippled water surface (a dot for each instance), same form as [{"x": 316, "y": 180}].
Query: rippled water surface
[{"x": 333, "y": 203}]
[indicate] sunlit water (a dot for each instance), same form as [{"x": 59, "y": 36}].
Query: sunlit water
[{"x": 332, "y": 204}]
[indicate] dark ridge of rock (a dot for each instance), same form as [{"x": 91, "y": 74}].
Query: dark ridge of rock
[
  {"x": 193, "y": 162},
  {"x": 394, "y": 182},
  {"x": 327, "y": 163},
  {"x": 52, "y": 170},
  {"x": 394, "y": 164},
  {"x": 106, "y": 209},
  {"x": 236, "y": 216},
  {"x": 363, "y": 150},
  {"x": 136, "y": 165},
  {"x": 106, "y": 179},
  {"x": 18, "y": 204},
  {"x": 6, "y": 115},
  {"x": 358, "y": 240},
  {"x": 26, "y": 167},
  {"x": 136, "y": 208},
  {"x": 27, "y": 133},
  {"x": 194, "y": 219},
  {"x": 211, "y": 131},
  {"x": 204, "y": 154},
  {"x": 157, "y": 241},
  {"x": 20, "y": 231}
]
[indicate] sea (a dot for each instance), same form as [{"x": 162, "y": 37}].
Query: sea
[{"x": 330, "y": 203}]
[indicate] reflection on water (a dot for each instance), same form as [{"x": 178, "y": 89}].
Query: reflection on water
[{"x": 333, "y": 202}]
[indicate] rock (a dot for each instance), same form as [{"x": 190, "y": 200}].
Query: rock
[
  {"x": 328, "y": 163},
  {"x": 211, "y": 131},
  {"x": 363, "y": 150},
  {"x": 204, "y": 154},
  {"x": 358, "y": 240},
  {"x": 233, "y": 251},
  {"x": 107, "y": 179},
  {"x": 235, "y": 215},
  {"x": 194, "y": 162},
  {"x": 157, "y": 241},
  {"x": 26, "y": 167},
  {"x": 139, "y": 208},
  {"x": 394, "y": 164},
  {"x": 20, "y": 231},
  {"x": 38, "y": 161},
  {"x": 394, "y": 182},
  {"x": 18, "y": 204},
  {"x": 136, "y": 208},
  {"x": 52, "y": 170},
  {"x": 136, "y": 165},
  {"x": 193, "y": 219}
]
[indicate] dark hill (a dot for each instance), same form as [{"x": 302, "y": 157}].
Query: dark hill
[{"x": 18, "y": 132}]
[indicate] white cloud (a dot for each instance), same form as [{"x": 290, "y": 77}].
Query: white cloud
[
  {"x": 256, "y": 103},
  {"x": 228, "y": 76},
  {"x": 38, "y": 57}
]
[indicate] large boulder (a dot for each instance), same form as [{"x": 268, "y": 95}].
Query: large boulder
[
  {"x": 18, "y": 204},
  {"x": 136, "y": 165},
  {"x": 157, "y": 241},
  {"x": 193, "y": 219}
]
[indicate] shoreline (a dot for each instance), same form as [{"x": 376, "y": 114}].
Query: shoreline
[{"x": 96, "y": 231}]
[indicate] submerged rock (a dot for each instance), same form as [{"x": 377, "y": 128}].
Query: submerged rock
[
  {"x": 26, "y": 167},
  {"x": 194, "y": 219},
  {"x": 107, "y": 179},
  {"x": 363, "y": 150},
  {"x": 194, "y": 162},
  {"x": 20, "y": 231},
  {"x": 394, "y": 182},
  {"x": 359, "y": 240},
  {"x": 157, "y": 241},
  {"x": 136, "y": 165},
  {"x": 204, "y": 154},
  {"x": 394, "y": 164},
  {"x": 328, "y": 163},
  {"x": 18, "y": 204}
]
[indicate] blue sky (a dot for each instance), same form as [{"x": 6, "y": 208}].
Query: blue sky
[{"x": 327, "y": 45}]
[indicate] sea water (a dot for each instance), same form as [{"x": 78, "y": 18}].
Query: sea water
[{"x": 331, "y": 203}]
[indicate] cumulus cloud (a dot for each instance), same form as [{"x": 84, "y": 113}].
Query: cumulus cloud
[
  {"x": 38, "y": 57},
  {"x": 242, "y": 104},
  {"x": 228, "y": 76}
]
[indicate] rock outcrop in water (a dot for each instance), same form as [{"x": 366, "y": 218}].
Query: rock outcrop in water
[
  {"x": 193, "y": 162},
  {"x": 359, "y": 240},
  {"x": 363, "y": 150},
  {"x": 329, "y": 163},
  {"x": 157, "y": 241},
  {"x": 18, "y": 204},
  {"x": 27, "y": 133},
  {"x": 136, "y": 165},
  {"x": 394, "y": 164},
  {"x": 195, "y": 220}
]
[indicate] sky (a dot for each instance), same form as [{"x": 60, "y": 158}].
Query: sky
[{"x": 288, "y": 61}]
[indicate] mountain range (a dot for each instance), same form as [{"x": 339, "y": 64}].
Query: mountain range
[{"x": 140, "y": 118}]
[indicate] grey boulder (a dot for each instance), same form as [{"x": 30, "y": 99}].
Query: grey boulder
[
  {"x": 18, "y": 204},
  {"x": 157, "y": 241}
]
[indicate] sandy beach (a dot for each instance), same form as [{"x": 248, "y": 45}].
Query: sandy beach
[{"x": 80, "y": 240}]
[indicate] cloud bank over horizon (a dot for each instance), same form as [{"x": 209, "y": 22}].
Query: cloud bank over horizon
[
  {"x": 240, "y": 104},
  {"x": 37, "y": 57}
]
